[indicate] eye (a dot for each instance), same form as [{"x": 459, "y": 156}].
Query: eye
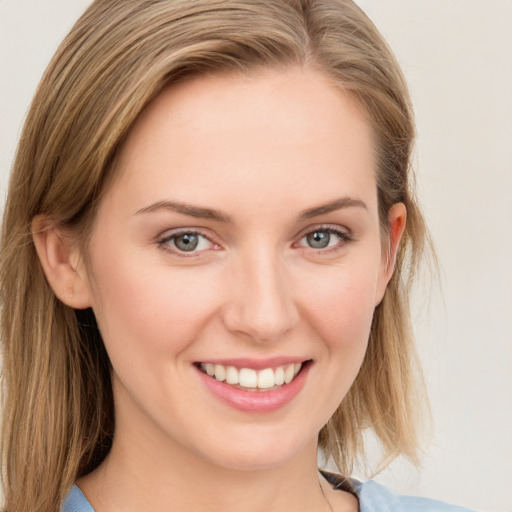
[
  {"x": 186, "y": 242},
  {"x": 324, "y": 238}
]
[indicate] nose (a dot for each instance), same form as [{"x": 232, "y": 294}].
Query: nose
[{"x": 260, "y": 303}]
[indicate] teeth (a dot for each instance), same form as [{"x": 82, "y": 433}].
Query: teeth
[
  {"x": 250, "y": 378},
  {"x": 232, "y": 375},
  {"x": 220, "y": 372},
  {"x": 289, "y": 373},
  {"x": 266, "y": 379}
]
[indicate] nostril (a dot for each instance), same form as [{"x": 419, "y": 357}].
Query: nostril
[{"x": 262, "y": 324}]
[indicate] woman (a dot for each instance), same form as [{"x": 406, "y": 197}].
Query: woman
[{"x": 207, "y": 247}]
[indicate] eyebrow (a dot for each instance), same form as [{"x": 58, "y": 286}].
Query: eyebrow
[
  {"x": 211, "y": 214},
  {"x": 187, "y": 209},
  {"x": 331, "y": 206}
]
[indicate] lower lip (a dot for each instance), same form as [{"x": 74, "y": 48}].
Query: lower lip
[{"x": 256, "y": 401}]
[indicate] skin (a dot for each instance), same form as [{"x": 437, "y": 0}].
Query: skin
[{"x": 261, "y": 150}]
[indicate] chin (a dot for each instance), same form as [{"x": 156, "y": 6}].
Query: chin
[{"x": 261, "y": 451}]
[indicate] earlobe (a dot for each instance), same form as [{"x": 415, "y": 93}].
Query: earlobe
[
  {"x": 61, "y": 262},
  {"x": 396, "y": 226},
  {"x": 396, "y": 219}
]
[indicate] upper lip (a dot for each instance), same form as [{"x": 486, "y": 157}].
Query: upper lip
[{"x": 256, "y": 364}]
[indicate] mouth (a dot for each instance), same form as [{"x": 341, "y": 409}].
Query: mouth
[{"x": 251, "y": 379}]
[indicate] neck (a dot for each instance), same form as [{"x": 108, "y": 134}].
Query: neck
[
  {"x": 136, "y": 481},
  {"x": 148, "y": 470}
]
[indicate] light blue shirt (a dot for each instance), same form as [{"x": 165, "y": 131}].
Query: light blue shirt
[{"x": 373, "y": 497}]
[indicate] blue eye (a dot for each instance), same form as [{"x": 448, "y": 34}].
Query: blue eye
[
  {"x": 186, "y": 242},
  {"x": 318, "y": 239},
  {"x": 324, "y": 238}
]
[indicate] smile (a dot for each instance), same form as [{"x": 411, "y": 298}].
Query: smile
[
  {"x": 251, "y": 379},
  {"x": 254, "y": 386}
]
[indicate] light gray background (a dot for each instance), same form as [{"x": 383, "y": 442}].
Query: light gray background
[{"x": 457, "y": 57}]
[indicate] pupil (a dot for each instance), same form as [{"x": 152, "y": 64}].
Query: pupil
[
  {"x": 186, "y": 242},
  {"x": 319, "y": 239}
]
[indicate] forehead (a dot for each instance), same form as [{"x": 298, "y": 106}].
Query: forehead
[{"x": 289, "y": 129}]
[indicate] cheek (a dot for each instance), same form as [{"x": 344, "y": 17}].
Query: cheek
[
  {"x": 340, "y": 311},
  {"x": 147, "y": 310},
  {"x": 341, "y": 307}
]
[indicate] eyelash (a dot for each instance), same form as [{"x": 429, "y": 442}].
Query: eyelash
[
  {"x": 343, "y": 236},
  {"x": 165, "y": 245},
  {"x": 344, "y": 239}
]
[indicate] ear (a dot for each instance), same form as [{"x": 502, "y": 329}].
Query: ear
[
  {"x": 396, "y": 225},
  {"x": 61, "y": 262}
]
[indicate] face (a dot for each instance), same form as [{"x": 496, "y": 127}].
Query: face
[{"x": 239, "y": 240}]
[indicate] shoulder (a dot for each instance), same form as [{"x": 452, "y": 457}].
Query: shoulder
[
  {"x": 374, "y": 497},
  {"x": 76, "y": 502}
]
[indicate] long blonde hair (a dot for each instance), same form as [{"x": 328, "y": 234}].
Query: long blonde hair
[{"x": 58, "y": 414}]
